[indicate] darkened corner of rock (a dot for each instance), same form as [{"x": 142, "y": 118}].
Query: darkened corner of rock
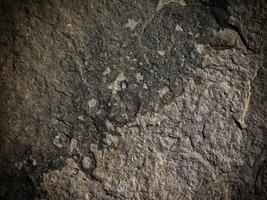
[{"x": 133, "y": 99}]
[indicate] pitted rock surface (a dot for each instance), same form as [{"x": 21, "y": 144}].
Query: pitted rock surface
[{"x": 133, "y": 99}]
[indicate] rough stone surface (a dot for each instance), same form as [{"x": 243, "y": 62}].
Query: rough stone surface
[{"x": 133, "y": 99}]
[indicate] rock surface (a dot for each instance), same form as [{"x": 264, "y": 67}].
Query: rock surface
[{"x": 133, "y": 99}]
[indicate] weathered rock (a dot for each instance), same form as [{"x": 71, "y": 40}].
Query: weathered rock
[{"x": 133, "y": 99}]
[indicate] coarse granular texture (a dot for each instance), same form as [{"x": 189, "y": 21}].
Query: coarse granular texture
[{"x": 133, "y": 99}]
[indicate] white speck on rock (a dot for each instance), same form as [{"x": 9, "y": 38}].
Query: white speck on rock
[
  {"x": 116, "y": 85},
  {"x": 139, "y": 77},
  {"x": 162, "y": 53},
  {"x": 86, "y": 162},
  {"x": 178, "y": 28},
  {"x": 181, "y": 2},
  {"x": 123, "y": 86},
  {"x": 131, "y": 24},
  {"x": 200, "y": 48},
  {"x": 92, "y": 103},
  {"x": 57, "y": 141},
  {"x": 107, "y": 71},
  {"x": 163, "y": 91},
  {"x": 34, "y": 162},
  {"x": 81, "y": 118},
  {"x": 165, "y": 2},
  {"x": 145, "y": 86}
]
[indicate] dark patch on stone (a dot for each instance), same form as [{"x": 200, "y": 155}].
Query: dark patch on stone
[
  {"x": 220, "y": 10},
  {"x": 16, "y": 184}
]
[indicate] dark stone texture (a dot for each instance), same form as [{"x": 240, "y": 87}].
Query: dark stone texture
[{"x": 133, "y": 99}]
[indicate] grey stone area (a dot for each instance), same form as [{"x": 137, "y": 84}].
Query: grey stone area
[{"x": 133, "y": 99}]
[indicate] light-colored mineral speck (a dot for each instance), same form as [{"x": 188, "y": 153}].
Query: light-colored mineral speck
[
  {"x": 181, "y": 2},
  {"x": 123, "y": 86},
  {"x": 81, "y": 118},
  {"x": 178, "y": 28},
  {"x": 162, "y": 53},
  {"x": 107, "y": 71},
  {"x": 162, "y": 3},
  {"x": 57, "y": 141},
  {"x": 145, "y": 86},
  {"x": 139, "y": 77},
  {"x": 131, "y": 24},
  {"x": 200, "y": 48},
  {"x": 92, "y": 103},
  {"x": 116, "y": 85},
  {"x": 34, "y": 162},
  {"x": 86, "y": 162},
  {"x": 163, "y": 91}
]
